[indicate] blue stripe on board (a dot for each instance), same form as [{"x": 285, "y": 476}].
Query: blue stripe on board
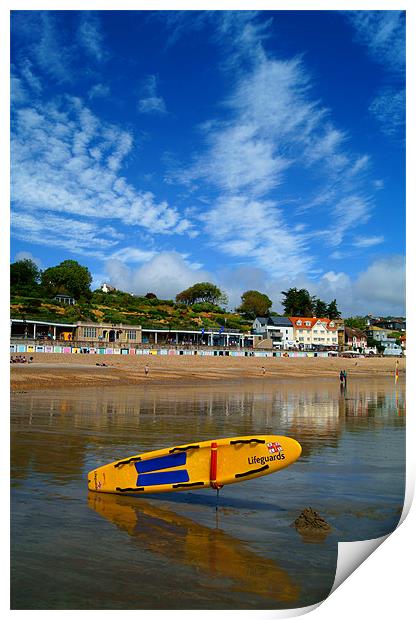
[
  {"x": 163, "y": 477},
  {"x": 161, "y": 462}
]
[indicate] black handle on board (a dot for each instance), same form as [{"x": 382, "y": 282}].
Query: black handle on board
[{"x": 254, "y": 440}]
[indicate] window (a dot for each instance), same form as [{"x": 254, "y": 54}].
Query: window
[
  {"x": 307, "y": 323},
  {"x": 131, "y": 334},
  {"x": 298, "y": 322},
  {"x": 90, "y": 332}
]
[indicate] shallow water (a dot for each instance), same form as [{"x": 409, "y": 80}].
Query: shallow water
[{"x": 77, "y": 550}]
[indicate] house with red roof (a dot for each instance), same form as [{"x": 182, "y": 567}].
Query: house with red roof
[{"x": 312, "y": 333}]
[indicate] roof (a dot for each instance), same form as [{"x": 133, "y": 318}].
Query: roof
[
  {"x": 262, "y": 320},
  {"x": 354, "y": 331},
  {"x": 309, "y": 322},
  {"x": 281, "y": 321}
]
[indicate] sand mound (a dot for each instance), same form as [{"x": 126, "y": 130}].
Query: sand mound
[{"x": 311, "y": 525}]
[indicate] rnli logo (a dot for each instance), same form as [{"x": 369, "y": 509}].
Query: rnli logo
[{"x": 274, "y": 447}]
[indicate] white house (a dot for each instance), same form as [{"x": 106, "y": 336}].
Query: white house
[
  {"x": 278, "y": 328},
  {"x": 312, "y": 332},
  {"x": 106, "y": 288}
]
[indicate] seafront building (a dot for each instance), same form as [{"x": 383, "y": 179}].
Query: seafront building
[
  {"x": 276, "y": 329},
  {"x": 98, "y": 335},
  {"x": 355, "y": 339},
  {"x": 273, "y": 335},
  {"x": 314, "y": 332}
]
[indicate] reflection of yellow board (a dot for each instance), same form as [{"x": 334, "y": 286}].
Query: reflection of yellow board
[
  {"x": 196, "y": 465},
  {"x": 178, "y": 538}
]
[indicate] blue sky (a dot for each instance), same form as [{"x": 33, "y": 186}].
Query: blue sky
[{"x": 252, "y": 149}]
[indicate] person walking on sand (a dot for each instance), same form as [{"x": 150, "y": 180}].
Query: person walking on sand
[
  {"x": 263, "y": 370},
  {"x": 341, "y": 377},
  {"x": 146, "y": 370},
  {"x": 345, "y": 378}
]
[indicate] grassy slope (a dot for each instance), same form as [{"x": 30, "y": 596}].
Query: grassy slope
[{"x": 124, "y": 308}]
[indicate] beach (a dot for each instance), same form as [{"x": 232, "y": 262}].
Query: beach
[{"x": 55, "y": 371}]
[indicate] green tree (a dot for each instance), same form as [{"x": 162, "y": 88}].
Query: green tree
[
  {"x": 332, "y": 311},
  {"x": 24, "y": 273},
  {"x": 200, "y": 292},
  {"x": 68, "y": 277},
  {"x": 358, "y": 322},
  {"x": 254, "y": 304},
  {"x": 297, "y": 302},
  {"x": 320, "y": 308}
]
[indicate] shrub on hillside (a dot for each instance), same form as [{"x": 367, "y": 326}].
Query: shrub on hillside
[{"x": 206, "y": 306}]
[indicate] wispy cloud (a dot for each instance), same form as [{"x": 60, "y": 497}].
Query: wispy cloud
[
  {"x": 368, "y": 242},
  {"x": 383, "y": 33},
  {"x": 90, "y": 35},
  {"x": 54, "y": 55},
  {"x": 350, "y": 212},
  {"x": 99, "y": 91},
  {"x": 67, "y": 164},
  {"x": 255, "y": 230},
  {"x": 274, "y": 127},
  {"x": 74, "y": 235},
  {"x": 62, "y": 53},
  {"x": 150, "y": 102},
  {"x": 389, "y": 109},
  {"x": 133, "y": 255}
]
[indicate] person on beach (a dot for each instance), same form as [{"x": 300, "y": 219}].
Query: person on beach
[
  {"x": 341, "y": 377},
  {"x": 345, "y": 377},
  {"x": 263, "y": 370},
  {"x": 146, "y": 370}
]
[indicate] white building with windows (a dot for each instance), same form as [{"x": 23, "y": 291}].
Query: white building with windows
[
  {"x": 278, "y": 329},
  {"x": 312, "y": 333}
]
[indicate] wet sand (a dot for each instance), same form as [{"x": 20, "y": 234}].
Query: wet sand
[{"x": 54, "y": 370}]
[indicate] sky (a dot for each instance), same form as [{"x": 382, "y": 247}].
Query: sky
[{"x": 253, "y": 149}]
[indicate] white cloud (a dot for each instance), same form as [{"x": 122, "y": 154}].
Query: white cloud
[
  {"x": 383, "y": 285},
  {"x": 350, "y": 212},
  {"x": 383, "y": 33},
  {"x": 367, "y": 242},
  {"x": 90, "y": 35},
  {"x": 133, "y": 255},
  {"x": 151, "y": 102},
  {"x": 76, "y": 236},
  {"x": 379, "y": 289},
  {"x": 65, "y": 160},
  {"x": 256, "y": 230},
  {"x": 389, "y": 109},
  {"x": 29, "y": 256},
  {"x": 99, "y": 91},
  {"x": 166, "y": 274},
  {"x": 274, "y": 128}
]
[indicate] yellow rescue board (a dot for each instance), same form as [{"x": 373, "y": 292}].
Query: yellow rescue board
[{"x": 196, "y": 465}]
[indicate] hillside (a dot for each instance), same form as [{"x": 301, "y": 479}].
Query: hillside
[{"x": 120, "y": 307}]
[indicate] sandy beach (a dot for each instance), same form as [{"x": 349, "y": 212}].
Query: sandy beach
[{"x": 54, "y": 371}]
